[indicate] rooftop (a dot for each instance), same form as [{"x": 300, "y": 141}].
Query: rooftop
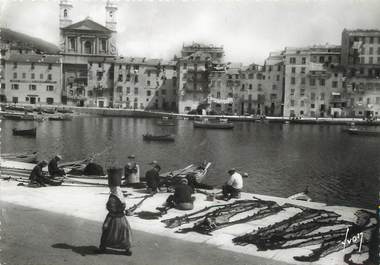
[{"x": 34, "y": 58}]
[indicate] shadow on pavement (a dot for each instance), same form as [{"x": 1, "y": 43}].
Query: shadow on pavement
[{"x": 86, "y": 250}]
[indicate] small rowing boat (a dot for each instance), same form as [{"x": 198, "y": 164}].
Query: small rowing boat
[
  {"x": 61, "y": 118},
  {"x": 356, "y": 131},
  {"x": 21, "y": 157},
  {"x": 205, "y": 124},
  {"x": 164, "y": 138},
  {"x": 28, "y": 132}
]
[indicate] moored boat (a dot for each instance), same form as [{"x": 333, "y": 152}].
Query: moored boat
[
  {"x": 213, "y": 125},
  {"x": 18, "y": 116},
  {"x": 166, "y": 123},
  {"x": 27, "y": 132},
  {"x": 165, "y": 138},
  {"x": 64, "y": 117},
  {"x": 20, "y": 157},
  {"x": 356, "y": 131}
]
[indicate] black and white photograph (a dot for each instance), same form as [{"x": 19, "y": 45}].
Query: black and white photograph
[{"x": 189, "y": 132}]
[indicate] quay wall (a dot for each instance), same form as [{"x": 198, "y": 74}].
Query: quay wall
[{"x": 113, "y": 112}]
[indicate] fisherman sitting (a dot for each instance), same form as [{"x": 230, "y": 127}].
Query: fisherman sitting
[
  {"x": 37, "y": 178},
  {"x": 233, "y": 185},
  {"x": 54, "y": 170},
  {"x": 181, "y": 199},
  {"x": 153, "y": 179}
]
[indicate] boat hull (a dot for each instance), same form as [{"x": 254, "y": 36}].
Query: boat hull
[
  {"x": 162, "y": 138},
  {"x": 29, "y": 133},
  {"x": 210, "y": 125}
]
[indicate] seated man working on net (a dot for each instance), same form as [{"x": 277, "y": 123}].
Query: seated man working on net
[{"x": 181, "y": 199}]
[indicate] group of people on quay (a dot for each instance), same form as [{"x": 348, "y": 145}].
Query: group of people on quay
[{"x": 116, "y": 231}]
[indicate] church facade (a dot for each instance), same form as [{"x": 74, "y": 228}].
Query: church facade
[{"x": 84, "y": 45}]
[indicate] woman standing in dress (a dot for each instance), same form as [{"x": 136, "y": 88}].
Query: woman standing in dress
[{"x": 116, "y": 229}]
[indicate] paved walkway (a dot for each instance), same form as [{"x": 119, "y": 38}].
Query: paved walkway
[{"x": 37, "y": 237}]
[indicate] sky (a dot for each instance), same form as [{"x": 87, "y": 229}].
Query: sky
[{"x": 247, "y": 30}]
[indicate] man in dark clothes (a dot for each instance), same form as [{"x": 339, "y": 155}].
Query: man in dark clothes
[
  {"x": 54, "y": 170},
  {"x": 182, "y": 199},
  {"x": 36, "y": 177},
  {"x": 153, "y": 178}
]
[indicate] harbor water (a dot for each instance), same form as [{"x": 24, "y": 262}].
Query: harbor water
[{"x": 281, "y": 159}]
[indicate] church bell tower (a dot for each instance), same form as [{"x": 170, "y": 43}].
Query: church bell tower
[
  {"x": 111, "y": 9},
  {"x": 65, "y": 7}
]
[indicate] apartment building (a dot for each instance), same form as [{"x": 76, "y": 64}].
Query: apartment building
[
  {"x": 314, "y": 82},
  {"x": 142, "y": 83}
]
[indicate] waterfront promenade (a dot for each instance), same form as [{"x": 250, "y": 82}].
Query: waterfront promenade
[{"x": 88, "y": 203}]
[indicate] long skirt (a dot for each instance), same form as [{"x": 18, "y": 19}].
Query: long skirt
[{"x": 116, "y": 233}]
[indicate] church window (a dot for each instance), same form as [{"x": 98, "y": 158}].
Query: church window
[
  {"x": 88, "y": 47},
  {"x": 72, "y": 44},
  {"x": 65, "y": 13},
  {"x": 103, "y": 45}
]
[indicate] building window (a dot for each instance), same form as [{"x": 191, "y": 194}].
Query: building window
[
  {"x": 88, "y": 47},
  {"x": 32, "y": 87},
  {"x": 370, "y": 50},
  {"x": 303, "y": 70},
  {"x": 32, "y": 66},
  {"x": 274, "y": 87},
  {"x": 322, "y": 96},
  {"x": 136, "y": 79},
  {"x": 23, "y": 75},
  {"x": 119, "y": 89},
  {"x": 15, "y": 65},
  {"x": 14, "y": 86},
  {"x": 250, "y": 86},
  {"x": 312, "y": 96},
  {"x": 163, "y": 92},
  {"x": 49, "y": 101},
  {"x": 292, "y": 60},
  {"x": 103, "y": 45},
  {"x": 292, "y": 91},
  {"x": 148, "y": 83},
  {"x": 41, "y": 76},
  {"x": 15, "y": 99},
  {"x": 120, "y": 79},
  {"x": 49, "y": 88},
  {"x": 293, "y": 80},
  {"x": 303, "y": 80},
  {"x": 65, "y": 13},
  {"x": 259, "y": 88},
  {"x": 303, "y": 60},
  {"x": 321, "y": 59},
  {"x": 277, "y": 77},
  {"x": 334, "y": 84},
  {"x": 321, "y": 82},
  {"x": 148, "y": 93},
  {"x": 370, "y": 60},
  {"x": 292, "y": 103},
  {"x": 2, "y": 85},
  {"x": 312, "y": 105},
  {"x": 50, "y": 66},
  {"x": 136, "y": 90},
  {"x": 49, "y": 77},
  {"x": 302, "y": 92},
  {"x": 14, "y": 75},
  {"x": 99, "y": 76},
  {"x": 128, "y": 90},
  {"x": 293, "y": 70},
  {"x": 302, "y": 103},
  {"x": 278, "y": 68},
  {"x": 32, "y": 75}
]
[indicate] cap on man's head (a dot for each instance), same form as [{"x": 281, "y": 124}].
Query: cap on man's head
[
  {"x": 58, "y": 157},
  {"x": 231, "y": 171},
  {"x": 184, "y": 181},
  {"x": 245, "y": 175},
  {"x": 154, "y": 162},
  {"x": 131, "y": 157}
]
